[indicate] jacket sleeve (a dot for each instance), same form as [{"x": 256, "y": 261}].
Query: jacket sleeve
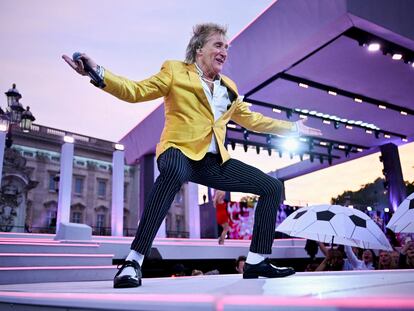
[
  {"x": 257, "y": 122},
  {"x": 138, "y": 91}
]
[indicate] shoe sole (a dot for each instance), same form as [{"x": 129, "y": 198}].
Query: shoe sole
[
  {"x": 127, "y": 284},
  {"x": 256, "y": 276}
]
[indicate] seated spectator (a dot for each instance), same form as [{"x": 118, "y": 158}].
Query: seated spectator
[
  {"x": 196, "y": 272},
  {"x": 406, "y": 258},
  {"x": 212, "y": 272},
  {"x": 385, "y": 261},
  {"x": 367, "y": 262},
  {"x": 240, "y": 264},
  {"x": 395, "y": 257},
  {"x": 310, "y": 267},
  {"x": 334, "y": 259},
  {"x": 178, "y": 270}
]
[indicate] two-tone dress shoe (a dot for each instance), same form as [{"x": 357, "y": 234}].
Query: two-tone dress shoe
[
  {"x": 265, "y": 269},
  {"x": 125, "y": 281}
]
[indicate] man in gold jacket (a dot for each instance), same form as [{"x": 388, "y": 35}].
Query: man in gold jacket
[{"x": 199, "y": 102}]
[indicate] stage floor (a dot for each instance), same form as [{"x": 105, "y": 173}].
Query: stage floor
[{"x": 347, "y": 290}]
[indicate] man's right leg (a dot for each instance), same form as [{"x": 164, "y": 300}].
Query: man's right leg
[{"x": 174, "y": 171}]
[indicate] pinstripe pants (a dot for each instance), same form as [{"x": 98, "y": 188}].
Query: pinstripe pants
[{"x": 176, "y": 169}]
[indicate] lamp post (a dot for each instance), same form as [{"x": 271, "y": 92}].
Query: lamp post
[{"x": 14, "y": 114}]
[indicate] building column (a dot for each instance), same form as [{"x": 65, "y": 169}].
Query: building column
[
  {"x": 394, "y": 180},
  {"x": 148, "y": 173},
  {"x": 117, "y": 211},
  {"x": 65, "y": 184},
  {"x": 192, "y": 209},
  {"x": 2, "y": 146}
]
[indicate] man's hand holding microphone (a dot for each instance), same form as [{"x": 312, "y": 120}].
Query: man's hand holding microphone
[{"x": 85, "y": 66}]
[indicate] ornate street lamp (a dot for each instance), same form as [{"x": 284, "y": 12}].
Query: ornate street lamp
[{"x": 14, "y": 114}]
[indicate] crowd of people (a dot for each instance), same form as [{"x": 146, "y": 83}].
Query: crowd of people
[{"x": 342, "y": 258}]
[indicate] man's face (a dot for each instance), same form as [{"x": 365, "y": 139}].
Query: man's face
[{"x": 212, "y": 56}]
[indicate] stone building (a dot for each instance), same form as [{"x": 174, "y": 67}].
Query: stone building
[
  {"x": 29, "y": 189},
  {"x": 29, "y": 192}
]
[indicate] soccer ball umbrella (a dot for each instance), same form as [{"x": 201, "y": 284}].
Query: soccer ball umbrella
[
  {"x": 335, "y": 224},
  {"x": 403, "y": 219}
]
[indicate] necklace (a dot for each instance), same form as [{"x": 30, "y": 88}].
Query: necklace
[{"x": 207, "y": 80}]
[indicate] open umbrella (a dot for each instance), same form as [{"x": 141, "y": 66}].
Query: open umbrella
[
  {"x": 335, "y": 224},
  {"x": 403, "y": 218}
]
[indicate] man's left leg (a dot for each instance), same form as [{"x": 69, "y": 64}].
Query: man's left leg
[{"x": 235, "y": 175}]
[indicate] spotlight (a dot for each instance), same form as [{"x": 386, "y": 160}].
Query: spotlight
[
  {"x": 257, "y": 149},
  {"x": 269, "y": 139},
  {"x": 403, "y": 113},
  {"x": 245, "y": 147},
  {"x": 68, "y": 139},
  {"x": 382, "y": 107},
  {"x": 233, "y": 145},
  {"x": 277, "y": 110},
  {"x": 358, "y": 100},
  {"x": 119, "y": 147},
  {"x": 305, "y": 86},
  {"x": 310, "y": 144},
  {"x": 246, "y": 134},
  {"x": 404, "y": 140},
  {"x": 290, "y": 144},
  {"x": 349, "y": 127},
  {"x": 373, "y": 47},
  {"x": 387, "y": 210},
  {"x": 387, "y": 136},
  {"x": 336, "y": 125},
  {"x": 332, "y": 93},
  {"x": 269, "y": 151},
  {"x": 369, "y": 208},
  {"x": 396, "y": 56}
]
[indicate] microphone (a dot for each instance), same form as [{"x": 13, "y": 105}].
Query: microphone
[{"x": 95, "y": 78}]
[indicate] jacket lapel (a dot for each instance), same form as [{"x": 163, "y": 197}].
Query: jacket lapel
[
  {"x": 198, "y": 88},
  {"x": 231, "y": 91}
]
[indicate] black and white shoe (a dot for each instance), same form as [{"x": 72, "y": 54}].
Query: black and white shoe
[
  {"x": 265, "y": 269},
  {"x": 127, "y": 280}
]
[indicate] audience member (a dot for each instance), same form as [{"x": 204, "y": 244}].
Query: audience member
[
  {"x": 196, "y": 272},
  {"x": 406, "y": 258},
  {"x": 334, "y": 259},
  {"x": 178, "y": 270},
  {"x": 367, "y": 262},
  {"x": 222, "y": 214},
  {"x": 240, "y": 264},
  {"x": 385, "y": 261}
]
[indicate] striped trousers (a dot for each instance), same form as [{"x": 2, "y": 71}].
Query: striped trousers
[{"x": 176, "y": 169}]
